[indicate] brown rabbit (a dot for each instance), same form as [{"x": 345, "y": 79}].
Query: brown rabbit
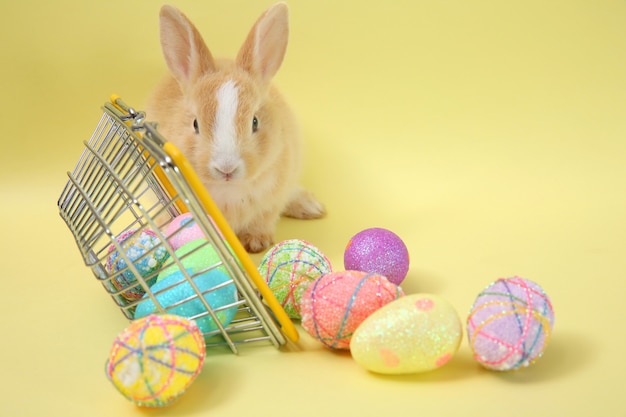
[{"x": 235, "y": 128}]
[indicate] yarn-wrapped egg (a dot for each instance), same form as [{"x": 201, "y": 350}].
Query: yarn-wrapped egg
[
  {"x": 155, "y": 359},
  {"x": 415, "y": 333},
  {"x": 510, "y": 323},
  {"x": 335, "y": 304},
  {"x": 379, "y": 251},
  {"x": 175, "y": 295},
  {"x": 146, "y": 252},
  {"x": 289, "y": 267}
]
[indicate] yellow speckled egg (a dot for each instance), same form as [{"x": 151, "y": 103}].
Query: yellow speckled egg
[{"x": 415, "y": 333}]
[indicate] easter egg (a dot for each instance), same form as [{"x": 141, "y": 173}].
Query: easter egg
[
  {"x": 379, "y": 251},
  {"x": 176, "y": 295},
  {"x": 335, "y": 304},
  {"x": 155, "y": 359},
  {"x": 289, "y": 268},
  {"x": 183, "y": 229},
  {"x": 415, "y": 333},
  {"x": 509, "y": 324},
  {"x": 196, "y": 256},
  {"x": 145, "y": 251}
]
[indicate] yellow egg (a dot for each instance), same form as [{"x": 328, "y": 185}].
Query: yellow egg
[
  {"x": 415, "y": 333},
  {"x": 155, "y": 359}
]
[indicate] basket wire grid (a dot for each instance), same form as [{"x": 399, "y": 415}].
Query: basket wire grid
[{"x": 130, "y": 180}]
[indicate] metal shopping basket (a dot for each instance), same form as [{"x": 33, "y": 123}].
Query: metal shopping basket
[{"x": 129, "y": 179}]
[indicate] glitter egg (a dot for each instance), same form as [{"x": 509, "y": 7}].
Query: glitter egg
[
  {"x": 176, "y": 295},
  {"x": 289, "y": 268},
  {"x": 509, "y": 325},
  {"x": 155, "y": 359},
  {"x": 196, "y": 256},
  {"x": 183, "y": 229},
  {"x": 336, "y": 303},
  {"x": 415, "y": 333},
  {"x": 378, "y": 251},
  {"x": 145, "y": 251}
]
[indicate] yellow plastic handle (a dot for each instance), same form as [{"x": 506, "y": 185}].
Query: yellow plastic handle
[{"x": 114, "y": 98}]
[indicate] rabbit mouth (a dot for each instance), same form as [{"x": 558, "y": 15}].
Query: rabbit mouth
[
  {"x": 226, "y": 177},
  {"x": 226, "y": 174}
]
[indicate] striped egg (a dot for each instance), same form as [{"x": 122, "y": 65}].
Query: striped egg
[
  {"x": 335, "y": 304},
  {"x": 289, "y": 267}
]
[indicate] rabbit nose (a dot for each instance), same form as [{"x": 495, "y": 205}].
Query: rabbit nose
[{"x": 227, "y": 171}]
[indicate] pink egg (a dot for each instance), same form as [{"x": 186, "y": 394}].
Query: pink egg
[
  {"x": 184, "y": 229},
  {"x": 334, "y": 305}
]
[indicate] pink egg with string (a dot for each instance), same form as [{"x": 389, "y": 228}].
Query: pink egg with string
[{"x": 334, "y": 305}]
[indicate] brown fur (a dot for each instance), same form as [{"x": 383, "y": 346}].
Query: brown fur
[{"x": 271, "y": 156}]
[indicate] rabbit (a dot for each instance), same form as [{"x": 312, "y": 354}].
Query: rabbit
[{"x": 233, "y": 125}]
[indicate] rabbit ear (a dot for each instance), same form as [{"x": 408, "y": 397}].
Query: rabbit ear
[
  {"x": 264, "y": 49},
  {"x": 186, "y": 54}
]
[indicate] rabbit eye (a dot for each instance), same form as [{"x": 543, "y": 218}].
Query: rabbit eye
[
  {"x": 255, "y": 124},
  {"x": 195, "y": 125}
]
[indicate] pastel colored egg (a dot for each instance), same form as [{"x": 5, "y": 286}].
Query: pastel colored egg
[
  {"x": 289, "y": 268},
  {"x": 155, "y": 359},
  {"x": 175, "y": 295},
  {"x": 184, "y": 228},
  {"x": 196, "y": 256},
  {"x": 379, "y": 251},
  {"x": 335, "y": 304},
  {"x": 145, "y": 252},
  {"x": 416, "y": 333},
  {"x": 510, "y": 323}
]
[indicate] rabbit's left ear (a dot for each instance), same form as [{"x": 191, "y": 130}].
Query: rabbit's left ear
[{"x": 263, "y": 51}]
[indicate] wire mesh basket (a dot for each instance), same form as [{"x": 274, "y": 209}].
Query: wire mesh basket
[{"x": 123, "y": 203}]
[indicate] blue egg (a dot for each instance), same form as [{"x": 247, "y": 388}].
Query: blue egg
[{"x": 168, "y": 298}]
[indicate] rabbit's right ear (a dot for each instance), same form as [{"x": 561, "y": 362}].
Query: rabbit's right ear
[{"x": 186, "y": 54}]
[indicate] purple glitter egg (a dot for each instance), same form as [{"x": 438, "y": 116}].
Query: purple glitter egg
[{"x": 378, "y": 251}]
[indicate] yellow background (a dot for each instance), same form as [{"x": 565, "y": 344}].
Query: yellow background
[{"x": 490, "y": 135}]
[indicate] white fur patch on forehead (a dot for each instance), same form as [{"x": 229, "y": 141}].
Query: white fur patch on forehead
[
  {"x": 227, "y": 102},
  {"x": 226, "y": 163}
]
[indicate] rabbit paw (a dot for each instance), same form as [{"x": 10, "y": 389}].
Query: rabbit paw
[
  {"x": 304, "y": 205},
  {"x": 256, "y": 243}
]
